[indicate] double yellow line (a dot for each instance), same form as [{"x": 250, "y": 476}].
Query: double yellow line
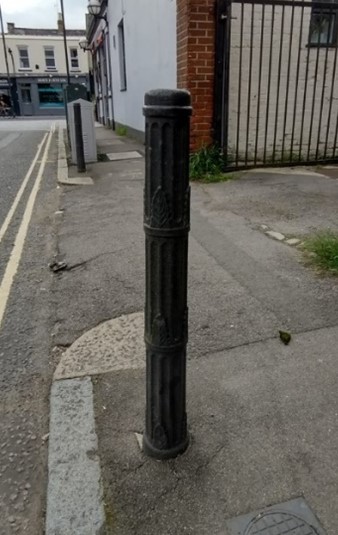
[{"x": 16, "y": 253}]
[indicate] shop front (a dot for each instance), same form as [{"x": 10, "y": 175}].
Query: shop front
[
  {"x": 41, "y": 96},
  {"x": 4, "y": 89},
  {"x": 8, "y": 97}
]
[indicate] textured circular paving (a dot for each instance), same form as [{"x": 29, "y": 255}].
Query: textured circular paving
[
  {"x": 117, "y": 344},
  {"x": 279, "y": 523}
]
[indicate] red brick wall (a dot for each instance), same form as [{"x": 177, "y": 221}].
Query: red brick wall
[{"x": 196, "y": 63}]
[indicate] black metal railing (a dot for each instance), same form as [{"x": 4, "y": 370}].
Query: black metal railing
[{"x": 276, "y": 90}]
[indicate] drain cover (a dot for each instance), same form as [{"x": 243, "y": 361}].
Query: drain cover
[
  {"x": 290, "y": 518},
  {"x": 279, "y": 524}
]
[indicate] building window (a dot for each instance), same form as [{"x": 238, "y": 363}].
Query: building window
[
  {"x": 50, "y": 95},
  {"x": 50, "y": 58},
  {"x": 23, "y": 57},
  {"x": 122, "y": 57},
  {"x": 74, "y": 58},
  {"x": 323, "y": 24}
]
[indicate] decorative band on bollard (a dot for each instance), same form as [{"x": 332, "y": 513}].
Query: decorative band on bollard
[{"x": 166, "y": 225}]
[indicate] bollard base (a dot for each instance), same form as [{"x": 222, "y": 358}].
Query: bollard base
[{"x": 162, "y": 455}]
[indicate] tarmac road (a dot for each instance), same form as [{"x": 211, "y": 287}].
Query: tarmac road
[{"x": 28, "y": 197}]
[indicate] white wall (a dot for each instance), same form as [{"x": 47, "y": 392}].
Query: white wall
[
  {"x": 37, "y": 56},
  {"x": 150, "y": 42}
]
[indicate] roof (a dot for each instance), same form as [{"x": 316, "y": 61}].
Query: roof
[{"x": 44, "y": 32}]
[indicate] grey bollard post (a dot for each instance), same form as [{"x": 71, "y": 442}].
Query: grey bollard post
[
  {"x": 80, "y": 159},
  {"x": 166, "y": 224}
]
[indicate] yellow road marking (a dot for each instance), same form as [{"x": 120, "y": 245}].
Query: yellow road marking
[
  {"x": 17, "y": 199},
  {"x": 15, "y": 257}
]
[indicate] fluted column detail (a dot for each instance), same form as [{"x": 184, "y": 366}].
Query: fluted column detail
[{"x": 166, "y": 224}]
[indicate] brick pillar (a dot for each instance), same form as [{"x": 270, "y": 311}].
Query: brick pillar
[{"x": 196, "y": 25}]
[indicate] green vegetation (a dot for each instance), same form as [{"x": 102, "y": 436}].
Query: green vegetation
[
  {"x": 207, "y": 165},
  {"x": 206, "y": 161},
  {"x": 102, "y": 157},
  {"x": 322, "y": 250},
  {"x": 121, "y": 130},
  {"x": 110, "y": 517}
]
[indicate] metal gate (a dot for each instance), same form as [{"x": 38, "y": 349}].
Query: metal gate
[{"x": 276, "y": 94}]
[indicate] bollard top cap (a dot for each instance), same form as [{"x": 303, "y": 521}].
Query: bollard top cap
[{"x": 167, "y": 97}]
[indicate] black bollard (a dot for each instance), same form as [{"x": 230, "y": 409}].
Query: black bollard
[
  {"x": 166, "y": 224},
  {"x": 80, "y": 159}
]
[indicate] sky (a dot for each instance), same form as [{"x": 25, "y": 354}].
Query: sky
[{"x": 43, "y": 13}]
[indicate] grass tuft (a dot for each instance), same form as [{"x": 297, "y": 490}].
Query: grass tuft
[
  {"x": 206, "y": 162},
  {"x": 323, "y": 249},
  {"x": 207, "y": 165},
  {"x": 121, "y": 130}
]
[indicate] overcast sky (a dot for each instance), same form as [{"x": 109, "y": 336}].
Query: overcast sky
[{"x": 43, "y": 13}]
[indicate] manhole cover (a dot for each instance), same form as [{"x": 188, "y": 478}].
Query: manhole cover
[
  {"x": 279, "y": 523},
  {"x": 289, "y": 518}
]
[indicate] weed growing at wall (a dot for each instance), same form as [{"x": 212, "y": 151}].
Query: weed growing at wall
[
  {"x": 207, "y": 165},
  {"x": 121, "y": 130}
]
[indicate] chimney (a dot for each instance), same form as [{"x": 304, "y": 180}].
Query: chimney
[
  {"x": 60, "y": 23},
  {"x": 10, "y": 27}
]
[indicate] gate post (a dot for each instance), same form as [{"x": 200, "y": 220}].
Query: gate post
[
  {"x": 166, "y": 224},
  {"x": 222, "y": 66},
  {"x": 196, "y": 41}
]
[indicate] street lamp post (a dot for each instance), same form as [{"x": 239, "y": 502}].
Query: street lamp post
[
  {"x": 6, "y": 60},
  {"x": 10, "y": 52},
  {"x": 65, "y": 41}
]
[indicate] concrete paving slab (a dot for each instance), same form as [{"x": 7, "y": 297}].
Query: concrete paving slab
[
  {"x": 271, "y": 272},
  {"x": 275, "y": 235},
  {"x": 293, "y": 241},
  {"x": 128, "y": 155},
  {"x": 289, "y": 171},
  {"x": 75, "y": 181},
  {"x": 264, "y": 430},
  {"x": 110, "y": 142},
  {"x": 74, "y": 496},
  {"x": 293, "y": 204},
  {"x": 119, "y": 170}
]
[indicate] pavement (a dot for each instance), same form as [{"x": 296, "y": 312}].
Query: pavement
[{"x": 263, "y": 417}]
